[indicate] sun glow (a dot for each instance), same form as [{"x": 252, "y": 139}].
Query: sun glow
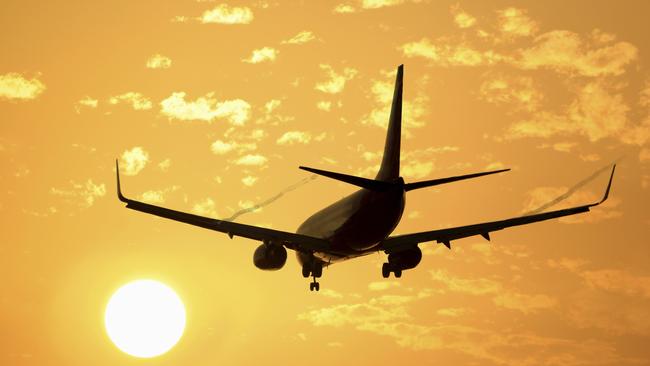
[{"x": 145, "y": 318}]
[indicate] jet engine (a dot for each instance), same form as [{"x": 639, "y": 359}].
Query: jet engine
[
  {"x": 270, "y": 257},
  {"x": 406, "y": 259}
]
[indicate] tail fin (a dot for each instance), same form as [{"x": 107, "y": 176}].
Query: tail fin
[{"x": 389, "y": 169}]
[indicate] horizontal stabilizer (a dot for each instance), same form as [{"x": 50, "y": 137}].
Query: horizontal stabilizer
[
  {"x": 371, "y": 184},
  {"x": 435, "y": 182}
]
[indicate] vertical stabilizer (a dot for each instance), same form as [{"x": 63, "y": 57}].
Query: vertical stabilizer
[{"x": 389, "y": 169}]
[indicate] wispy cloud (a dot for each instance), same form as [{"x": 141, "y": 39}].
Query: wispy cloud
[
  {"x": 82, "y": 194},
  {"x": 300, "y": 38}
]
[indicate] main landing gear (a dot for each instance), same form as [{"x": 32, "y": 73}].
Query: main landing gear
[
  {"x": 387, "y": 268},
  {"x": 315, "y": 271}
]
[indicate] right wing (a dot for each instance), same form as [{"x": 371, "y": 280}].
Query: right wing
[
  {"x": 290, "y": 240},
  {"x": 445, "y": 236}
]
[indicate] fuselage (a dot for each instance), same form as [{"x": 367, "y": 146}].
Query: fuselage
[{"x": 355, "y": 224}]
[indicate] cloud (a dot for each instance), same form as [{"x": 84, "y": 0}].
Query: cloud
[
  {"x": 205, "y": 208},
  {"x": 376, "y": 4},
  {"x": 249, "y": 180},
  {"x": 220, "y": 147},
  {"x": 452, "y": 312},
  {"x": 157, "y": 196},
  {"x": 514, "y": 22},
  {"x": 519, "y": 92},
  {"x": 88, "y": 192},
  {"x": 251, "y": 160},
  {"x": 14, "y": 86},
  {"x": 324, "y": 105},
  {"x": 272, "y": 105},
  {"x": 86, "y": 102},
  {"x": 480, "y": 286},
  {"x": 300, "y": 38},
  {"x": 134, "y": 160},
  {"x": 613, "y": 300},
  {"x": 415, "y": 169},
  {"x": 262, "y": 55},
  {"x": 164, "y": 165},
  {"x": 461, "y": 18},
  {"x": 179, "y": 19},
  {"x": 226, "y": 14},
  {"x": 618, "y": 281},
  {"x": 205, "y": 108},
  {"x": 414, "y": 109},
  {"x": 566, "y": 52},
  {"x": 383, "y": 286},
  {"x": 159, "y": 61},
  {"x": 593, "y": 309},
  {"x": 449, "y": 54},
  {"x": 137, "y": 100},
  {"x": 500, "y": 296},
  {"x": 331, "y": 293},
  {"x": 344, "y": 9},
  {"x": 293, "y": 137},
  {"x": 595, "y": 113},
  {"x": 390, "y": 317},
  {"x": 527, "y": 304},
  {"x": 336, "y": 81}
]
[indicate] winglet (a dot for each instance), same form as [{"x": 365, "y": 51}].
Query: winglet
[
  {"x": 119, "y": 189},
  {"x": 609, "y": 185}
]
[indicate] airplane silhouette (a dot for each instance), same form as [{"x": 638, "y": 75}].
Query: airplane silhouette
[{"x": 360, "y": 223}]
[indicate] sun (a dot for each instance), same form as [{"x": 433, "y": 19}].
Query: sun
[{"x": 145, "y": 318}]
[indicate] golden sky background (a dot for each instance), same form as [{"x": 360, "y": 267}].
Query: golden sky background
[{"x": 212, "y": 106}]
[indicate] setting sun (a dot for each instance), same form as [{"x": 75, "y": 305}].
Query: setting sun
[{"x": 145, "y": 318}]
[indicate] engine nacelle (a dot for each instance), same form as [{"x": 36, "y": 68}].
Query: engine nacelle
[
  {"x": 406, "y": 259},
  {"x": 270, "y": 257}
]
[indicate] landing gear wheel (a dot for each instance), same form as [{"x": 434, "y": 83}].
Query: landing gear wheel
[
  {"x": 314, "y": 285},
  {"x": 385, "y": 270},
  {"x": 398, "y": 273},
  {"x": 305, "y": 271}
]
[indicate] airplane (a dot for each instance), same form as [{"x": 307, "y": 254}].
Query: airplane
[{"x": 358, "y": 224}]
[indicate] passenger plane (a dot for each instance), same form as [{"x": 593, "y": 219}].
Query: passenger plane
[{"x": 360, "y": 223}]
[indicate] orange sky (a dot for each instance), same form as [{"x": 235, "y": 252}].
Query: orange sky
[{"x": 212, "y": 106}]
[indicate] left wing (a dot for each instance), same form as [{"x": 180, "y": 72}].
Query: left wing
[
  {"x": 290, "y": 240},
  {"x": 402, "y": 242}
]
